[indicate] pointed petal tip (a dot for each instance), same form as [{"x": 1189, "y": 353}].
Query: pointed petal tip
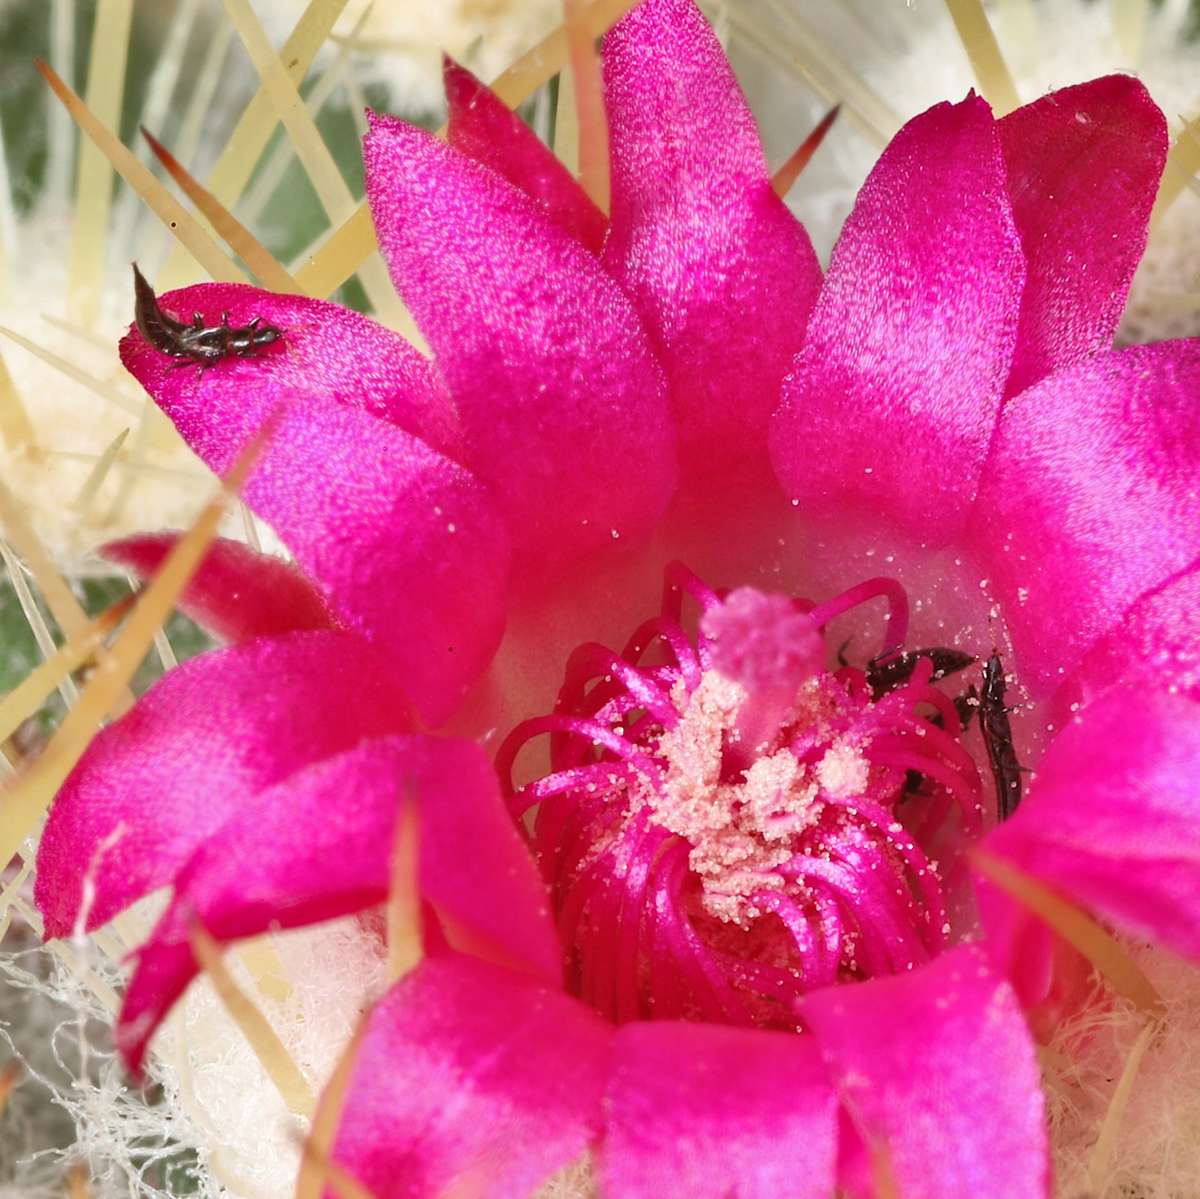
[
  {"x": 203, "y": 741},
  {"x": 1083, "y": 166},
  {"x": 236, "y": 593},
  {"x": 386, "y": 124},
  {"x": 720, "y": 271},
  {"x": 557, "y": 385},
  {"x": 456, "y": 78},
  {"x": 361, "y": 477},
  {"x": 892, "y": 403}
]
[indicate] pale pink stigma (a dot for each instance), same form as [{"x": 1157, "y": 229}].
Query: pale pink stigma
[
  {"x": 720, "y": 826},
  {"x": 770, "y": 646}
]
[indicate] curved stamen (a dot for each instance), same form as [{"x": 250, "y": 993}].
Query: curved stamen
[
  {"x": 882, "y": 935},
  {"x": 609, "y": 775},
  {"x": 891, "y": 751},
  {"x": 629, "y": 922},
  {"x": 671, "y": 988},
  {"x": 676, "y": 639},
  {"x": 590, "y": 661},
  {"x": 731, "y": 1006},
  {"x": 610, "y": 897},
  {"x": 897, "y": 627},
  {"x": 589, "y": 731},
  {"x": 928, "y": 694},
  {"x": 936, "y": 743},
  {"x": 678, "y": 581},
  {"x": 883, "y": 887},
  {"x": 901, "y": 841},
  {"x": 566, "y": 839},
  {"x": 959, "y": 780},
  {"x": 855, "y": 682},
  {"x": 816, "y": 969}
]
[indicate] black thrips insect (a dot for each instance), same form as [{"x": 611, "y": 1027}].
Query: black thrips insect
[
  {"x": 197, "y": 343},
  {"x": 997, "y": 737},
  {"x": 889, "y": 671}
]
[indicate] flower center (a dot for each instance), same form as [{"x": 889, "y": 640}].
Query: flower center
[{"x": 728, "y": 823}]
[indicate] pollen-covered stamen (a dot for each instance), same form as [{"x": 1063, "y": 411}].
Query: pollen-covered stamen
[{"x": 719, "y": 824}]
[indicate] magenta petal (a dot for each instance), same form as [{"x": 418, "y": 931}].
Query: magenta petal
[
  {"x": 1019, "y": 943},
  {"x": 484, "y": 128},
  {"x": 319, "y": 845},
  {"x": 193, "y": 751},
  {"x": 893, "y": 400},
  {"x": 1089, "y": 498},
  {"x": 237, "y": 593},
  {"x": 698, "y": 1109},
  {"x": 476, "y": 868},
  {"x": 562, "y": 402},
  {"x": 405, "y": 544},
  {"x": 312, "y": 847},
  {"x": 325, "y": 350},
  {"x": 1113, "y": 817},
  {"x": 1157, "y": 643},
  {"x": 1083, "y": 168},
  {"x": 938, "y": 1068},
  {"x": 720, "y": 271},
  {"x": 472, "y": 1076}
]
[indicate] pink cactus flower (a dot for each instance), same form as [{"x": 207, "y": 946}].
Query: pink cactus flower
[{"x": 717, "y": 923}]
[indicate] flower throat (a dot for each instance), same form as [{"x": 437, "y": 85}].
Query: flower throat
[{"x": 719, "y": 828}]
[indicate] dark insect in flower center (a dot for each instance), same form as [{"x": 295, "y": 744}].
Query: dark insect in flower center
[
  {"x": 719, "y": 823},
  {"x": 199, "y": 344},
  {"x": 996, "y": 729},
  {"x": 888, "y": 671}
]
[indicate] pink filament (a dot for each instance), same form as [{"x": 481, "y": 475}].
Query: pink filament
[
  {"x": 897, "y": 627},
  {"x": 676, "y": 640},
  {"x": 591, "y": 660},
  {"x": 678, "y": 581}
]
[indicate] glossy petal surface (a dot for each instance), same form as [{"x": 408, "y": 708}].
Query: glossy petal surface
[
  {"x": 471, "y": 1075},
  {"x": 1089, "y": 498},
  {"x": 1113, "y": 817},
  {"x": 562, "y": 402},
  {"x": 721, "y": 273},
  {"x": 404, "y": 544},
  {"x": 699, "y": 1109},
  {"x": 1083, "y": 167},
  {"x": 198, "y": 746},
  {"x": 484, "y": 128},
  {"x": 892, "y": 403},
  {"x": 319, "y": 845},
  {"x": 939, "y": 1071},
  {"x": 236, "y": 593}
]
